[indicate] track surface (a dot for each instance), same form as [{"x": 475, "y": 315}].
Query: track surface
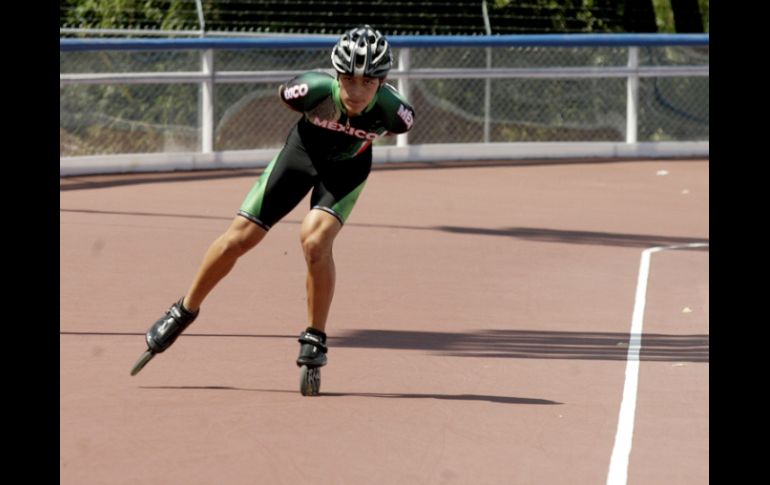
[{"x": 478, "y": 334}]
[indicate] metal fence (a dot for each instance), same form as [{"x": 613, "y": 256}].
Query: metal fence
[{"x": 203, "y": 96}]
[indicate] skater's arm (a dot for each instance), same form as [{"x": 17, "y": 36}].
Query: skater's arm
[{"x": 304, "y": 92}]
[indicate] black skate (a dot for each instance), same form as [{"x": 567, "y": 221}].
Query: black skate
[
  {"x": 164, "y": 332},
  {"x": 312, "y": 356}
]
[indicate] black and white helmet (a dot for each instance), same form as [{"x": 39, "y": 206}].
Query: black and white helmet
[{"x": 362, "y": 51}]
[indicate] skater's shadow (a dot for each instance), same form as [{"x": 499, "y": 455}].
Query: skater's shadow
[
  {"x": 531, "y": 344},
  {"x": 443, "y": 397},
  {"x": 379, "y": 395}
]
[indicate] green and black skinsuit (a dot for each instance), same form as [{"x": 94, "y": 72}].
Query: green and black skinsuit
[{"x": 326, "y": 150}]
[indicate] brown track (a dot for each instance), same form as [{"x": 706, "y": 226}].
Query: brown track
[{"x": 477, "y": 334}]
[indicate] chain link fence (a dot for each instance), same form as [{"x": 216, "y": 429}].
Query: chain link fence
[{"x": 115, "y": 118}]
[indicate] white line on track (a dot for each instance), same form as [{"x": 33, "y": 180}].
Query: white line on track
[{"x": 618, "y": 472}]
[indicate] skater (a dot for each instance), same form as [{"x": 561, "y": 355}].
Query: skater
[{"x": 328, "y": 151}]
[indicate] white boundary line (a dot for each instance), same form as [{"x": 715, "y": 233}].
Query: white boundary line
[{"x": 618, "y": 471}]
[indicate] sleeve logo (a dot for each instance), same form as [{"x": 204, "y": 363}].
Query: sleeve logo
[
  {"x": 293, "y": 92},
  {"x": 406, "y": 115}
]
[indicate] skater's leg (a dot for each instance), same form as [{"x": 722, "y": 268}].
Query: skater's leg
[
  {"x": 319, "y": 228},
  {"x": 220, "y": 258},
  {"x": 283, "y": 184}
]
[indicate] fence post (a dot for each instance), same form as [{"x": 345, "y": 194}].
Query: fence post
[
  {"x": 201, "y": 17},
  {"x": 487, "y": 81},
  {"x": 487, "y": 96},
  {"x": 402, "y": 140},
  {"x": 207, "y": 102},
  {"x": 632, "y": 102}
]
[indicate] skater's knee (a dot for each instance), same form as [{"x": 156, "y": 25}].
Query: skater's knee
[
  {"x": 317, "y": 248},
  {"x": 235, "y": 243},
  {"x": 317, "y": 235},
  {"x": 232, "y": 247}
]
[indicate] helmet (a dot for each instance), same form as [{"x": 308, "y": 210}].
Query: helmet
[{"x": 362, "y": 51}]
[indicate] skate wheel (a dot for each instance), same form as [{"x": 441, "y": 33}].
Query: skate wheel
[
  {"x": 309, "y": 381},
  {"x": 143, "y": 359}
]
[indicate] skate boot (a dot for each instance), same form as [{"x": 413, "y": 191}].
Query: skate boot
[
  {"x": 312, "y": 356},
  {"x": 164, "y": 332}
]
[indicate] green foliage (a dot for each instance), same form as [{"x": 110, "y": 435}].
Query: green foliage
[
  {"x": 390, "y": 16},
  {"x": 134, "y": 14},
  {"x": 704, "y": 11},
  {"x": 664, "y": 16}
]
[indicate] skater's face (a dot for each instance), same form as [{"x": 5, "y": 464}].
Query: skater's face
[{"x": 357, "y": 92}]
